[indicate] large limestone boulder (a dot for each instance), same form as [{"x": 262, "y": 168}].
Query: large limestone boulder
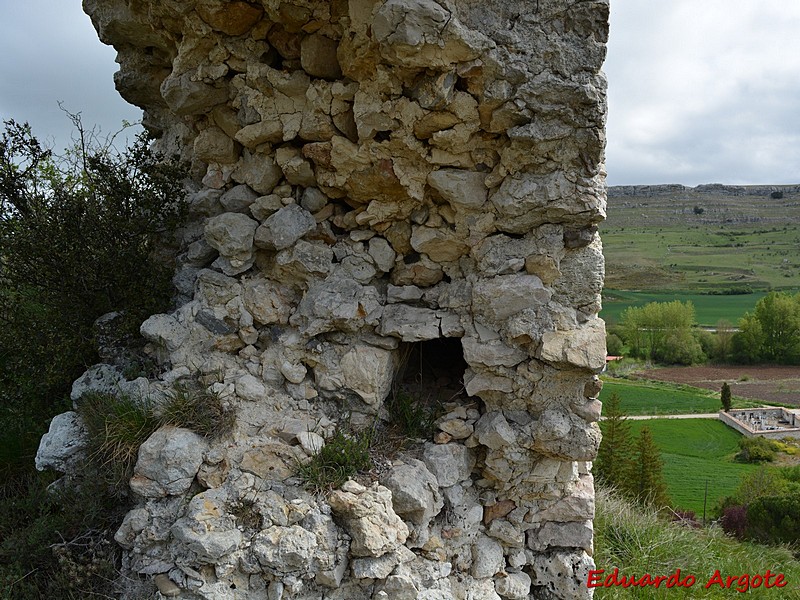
[
  {"x": 168, "y": 462},
  {"x": 369, "y": 518},
  {"x": 231, "y": 234},
  {"x": 63, "y": 447}
]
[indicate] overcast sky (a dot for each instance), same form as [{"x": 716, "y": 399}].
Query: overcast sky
[{"x": 700, "y": 91}]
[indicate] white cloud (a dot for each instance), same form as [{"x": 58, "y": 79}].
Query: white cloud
[
  {"x": 50, "y": 53},
  {"x": 699, "y": 90},
  {"x": 703, "y": 91}
]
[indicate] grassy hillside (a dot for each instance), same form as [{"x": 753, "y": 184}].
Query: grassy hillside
[
  {"x": 646, "y": 397},
  {"x": 690, "y": 240},
  {"x": 638, "y": 542},
  {"x": 696, "y": 451}
]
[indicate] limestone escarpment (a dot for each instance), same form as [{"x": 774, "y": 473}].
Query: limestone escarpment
[{"x": 369, "y": 174}]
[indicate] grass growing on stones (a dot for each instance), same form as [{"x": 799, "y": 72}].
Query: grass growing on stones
[
  {"x": 345, "y": 454},
  {"x": 116, "y": 427},
  {"x": 200, "y": 410},
  {"x": 412, "y": 416}
]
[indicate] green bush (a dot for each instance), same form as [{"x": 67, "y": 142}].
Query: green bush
[
  {"x": 58, "y": 543},
  {"x": 614, "y": 344},
  {"x": 756, "y": 450},
  {"x": 79, "y": 237},
  {"x": 774, "y": 519}
]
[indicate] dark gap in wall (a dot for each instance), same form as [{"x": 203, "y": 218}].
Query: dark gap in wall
[{"x": 434, "y": 369}]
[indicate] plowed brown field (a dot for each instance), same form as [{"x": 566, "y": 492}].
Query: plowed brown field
[{"x": 765, "y": 383}]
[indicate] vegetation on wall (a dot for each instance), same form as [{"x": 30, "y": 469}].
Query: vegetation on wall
[{"x": 81, "y": 235}]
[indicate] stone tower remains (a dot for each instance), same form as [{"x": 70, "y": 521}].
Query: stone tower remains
[{"x": 373, "y": 180}]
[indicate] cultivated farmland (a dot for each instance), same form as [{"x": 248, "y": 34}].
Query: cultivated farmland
[
  {"x": 768, "y": 383},
  {"x": 689, "y": 242},
  {"x": 655, "y": 398},
  {"x": 696, "y": 451}
]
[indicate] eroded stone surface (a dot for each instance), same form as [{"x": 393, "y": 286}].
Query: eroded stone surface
[{"x": 368, "y": 175}]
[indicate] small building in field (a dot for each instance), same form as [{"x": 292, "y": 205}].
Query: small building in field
[{"x": 773, "y": 422}]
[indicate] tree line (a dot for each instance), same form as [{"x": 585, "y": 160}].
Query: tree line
[
  {"x": 631, "y": 466},
  {"x": 667, "y": 332}
]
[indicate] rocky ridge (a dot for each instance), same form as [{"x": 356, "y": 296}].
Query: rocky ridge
[
  {"x": 369, "y": 175},
  {"x": 650, "y": 191}
]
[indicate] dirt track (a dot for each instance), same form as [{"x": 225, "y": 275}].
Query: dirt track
[{"x": 766, "y": 383}]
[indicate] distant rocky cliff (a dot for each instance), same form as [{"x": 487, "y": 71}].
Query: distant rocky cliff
[
  {"x": 707, "y": 189},
  {"x": 368, "y": 177}
]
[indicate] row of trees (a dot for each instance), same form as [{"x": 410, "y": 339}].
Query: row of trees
[
  {"x": 662, "y": 332},
  {"x": 771, "y": 332},
  {"x": 633, "y": 467},
  {"x": 667, "y": 332}
]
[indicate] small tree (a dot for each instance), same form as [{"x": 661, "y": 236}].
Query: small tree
[
  {"x": 725, "y": 396},
  {"x": 614, "y": 455},
  {"x": 645, "y": 482}
]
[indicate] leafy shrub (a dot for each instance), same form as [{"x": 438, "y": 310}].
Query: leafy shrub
[
  {"x": 774, "y": 519},
  {"x": 79, "y": 237},
  {"x": 58, "y": 543},
  {"x": 614, "y": 344},
  {"x": 756, "y": 450},
  {"x": 734, "y": 521}
]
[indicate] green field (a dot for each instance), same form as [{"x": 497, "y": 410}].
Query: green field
[
  {"x": 696, "y": 451},
  {"x": 656, "y": 398},
  {"x": 659, "y": 242},
  {"x": 709, "y": 308}
]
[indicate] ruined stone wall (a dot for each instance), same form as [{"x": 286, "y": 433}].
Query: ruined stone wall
[{"x": 369, "y": 174}]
